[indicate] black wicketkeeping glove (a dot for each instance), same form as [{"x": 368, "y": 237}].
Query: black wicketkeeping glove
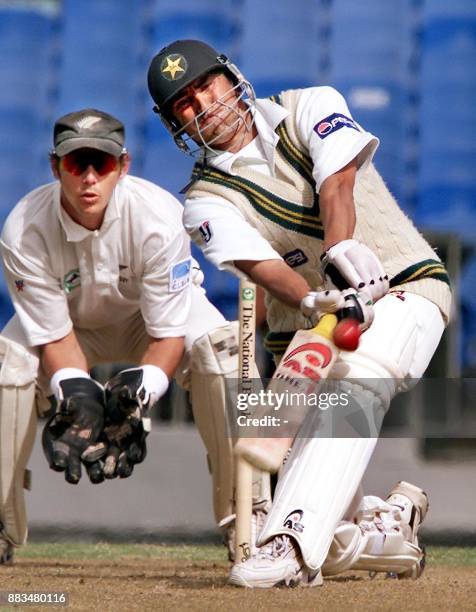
[
  {"x": 126, "y": 423},
  {"x": 70, "y": 436}
]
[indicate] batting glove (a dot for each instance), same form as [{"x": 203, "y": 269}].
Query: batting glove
[
  {"x": 357, "y": 266},
  {"x": 347, "y": 304}
]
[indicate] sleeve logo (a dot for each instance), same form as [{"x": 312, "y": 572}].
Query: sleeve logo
[
  {"x": 180, "y": 275},
  {"x": 334, "y": 122},
  {"x": 205, "y": 231}
]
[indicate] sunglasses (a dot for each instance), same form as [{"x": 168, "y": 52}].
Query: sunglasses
[{"x": 79, "y": 161}]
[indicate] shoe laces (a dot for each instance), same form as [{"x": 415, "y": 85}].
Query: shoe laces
[
  {"x": 378, "y": 515},
  {"x": 276, "y": 548}
]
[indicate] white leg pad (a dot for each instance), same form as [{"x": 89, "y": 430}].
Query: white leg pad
[
  {"x": 17, "y": 434},
  {"x": 214, "y": 373},
  {"x": 346, "y": 547},
  {"x": 321, "y": 475},
  {"x": 400, "y": 342},
  {"x": 317, "y": 485}
]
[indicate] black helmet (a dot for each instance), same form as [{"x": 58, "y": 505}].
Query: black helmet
[{"x": 177, "y": 65}]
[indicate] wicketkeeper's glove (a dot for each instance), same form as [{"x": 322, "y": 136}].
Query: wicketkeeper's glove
[
  {"x": 128, "y": 399},
  {"x": 71, "y": 433}
]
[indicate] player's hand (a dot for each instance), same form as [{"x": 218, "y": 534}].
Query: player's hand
[
  {"x": 358, "y": 266},
  {"x": 348, "y": 304},
  {"x": 70, "y": 435},
  {"x": 128, "y": 398}
]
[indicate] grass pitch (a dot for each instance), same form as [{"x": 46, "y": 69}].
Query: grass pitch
[
  {"x": 436, "y": 555},
  {"x": 129, "y": 577}
]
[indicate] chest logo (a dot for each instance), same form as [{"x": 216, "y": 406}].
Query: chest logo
[
  {"x": 295, "y": 258},
  {"x": 71, "y": 280}
]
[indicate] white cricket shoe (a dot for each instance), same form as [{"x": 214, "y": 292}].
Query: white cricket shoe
[
  {"x": 390, "y": 531},
  {"x": 277, "y": 563},
  {"x": 6, "y": 552}
]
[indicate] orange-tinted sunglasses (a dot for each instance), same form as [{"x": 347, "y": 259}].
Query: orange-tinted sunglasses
[{"x": 78, "y": 161}]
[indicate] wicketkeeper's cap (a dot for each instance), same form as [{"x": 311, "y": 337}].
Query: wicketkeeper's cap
[{"x": 88, "y": 128}]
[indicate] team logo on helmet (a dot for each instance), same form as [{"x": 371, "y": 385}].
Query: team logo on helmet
[{"x": 173, "y": 67}]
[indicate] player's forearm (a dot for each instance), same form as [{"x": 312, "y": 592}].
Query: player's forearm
[
  {"x": 336, "y": 203},
  {"x": 164, "y": 353},
  {"x": 63, "y": 353},
  {"x": 278, "y": 278}
]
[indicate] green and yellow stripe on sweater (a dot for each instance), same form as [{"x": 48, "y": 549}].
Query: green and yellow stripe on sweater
[{"x": 282, "y": 212}]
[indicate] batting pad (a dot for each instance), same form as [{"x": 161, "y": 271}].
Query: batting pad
[
  {"x": 214, "y": 360},
  {"x": 316, "y": 487},
  {"x": 17, "y": 435}
]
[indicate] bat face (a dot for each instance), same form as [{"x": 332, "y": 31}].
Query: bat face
[
  {"x": 309, "y": 356},
  {"x": 308, "y": 360}
]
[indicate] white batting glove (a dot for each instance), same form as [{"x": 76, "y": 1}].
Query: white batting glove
[
  {"x": 359, "y": 266},
  {"x": 351, "y": 303}
]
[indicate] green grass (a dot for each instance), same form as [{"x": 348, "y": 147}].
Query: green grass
[
  {"x": 186, "y": 552},
  {"x": 448, "y": 555},
  {"x": 437, "y": 555}
]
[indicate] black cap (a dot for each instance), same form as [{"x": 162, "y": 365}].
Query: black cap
[
  {"x": 88, "y": 128},
  {"x": 177, "y": 65}
]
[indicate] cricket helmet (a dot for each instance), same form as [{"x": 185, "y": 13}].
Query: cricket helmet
[{"x": 176, "y": 66}]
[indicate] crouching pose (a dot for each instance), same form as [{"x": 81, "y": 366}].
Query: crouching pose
[
  {"x": 99, "y": 270},
  {"x": 284, "y": 188}
]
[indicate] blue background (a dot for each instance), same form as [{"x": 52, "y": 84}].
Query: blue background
[{"x": 406, "y": 67}]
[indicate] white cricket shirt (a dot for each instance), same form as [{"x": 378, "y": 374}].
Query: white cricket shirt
[{"x": 62, "y": 275}]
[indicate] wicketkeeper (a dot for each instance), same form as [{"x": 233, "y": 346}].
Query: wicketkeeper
[
  {"x": 99, "y": 269},
  {"x": 282, "y": 188}
]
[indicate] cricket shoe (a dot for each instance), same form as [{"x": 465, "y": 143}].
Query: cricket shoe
[
  {"x": 6, "y": 552},
  {"x": 277, "y": 563},
  {"x": 390, "y": 531},
  {"x": 258, "y": 519}
]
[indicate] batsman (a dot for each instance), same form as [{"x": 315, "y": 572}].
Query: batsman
[{"x": 284, "y": 191}]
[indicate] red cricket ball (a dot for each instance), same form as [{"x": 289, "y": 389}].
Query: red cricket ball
[{"x": 347, "y": 334}]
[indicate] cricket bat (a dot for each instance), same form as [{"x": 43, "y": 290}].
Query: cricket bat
[
  {"x": 307, "y": 361},
  {"x": 243, "y": 469}
]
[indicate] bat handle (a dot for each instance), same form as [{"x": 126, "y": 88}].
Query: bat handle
[{"x": 326, "y": 324}]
